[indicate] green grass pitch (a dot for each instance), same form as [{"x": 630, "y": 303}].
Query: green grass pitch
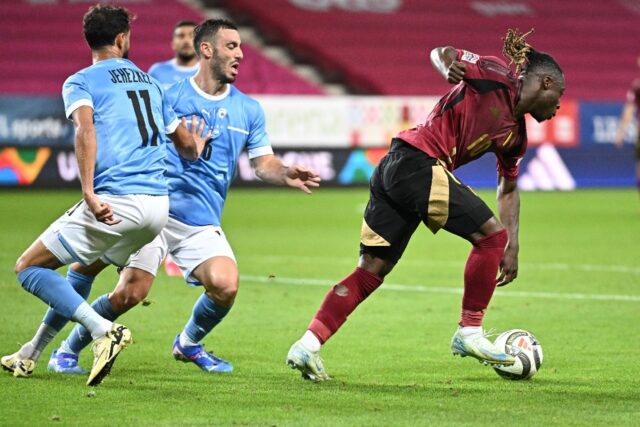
[{"x": 578, "y": 291}]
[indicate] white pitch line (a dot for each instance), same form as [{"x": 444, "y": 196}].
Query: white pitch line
[
  {"x": 443, "y": 290},
  {"x": 594, "y": 268}
]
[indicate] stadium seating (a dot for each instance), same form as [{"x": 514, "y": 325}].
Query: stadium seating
[
  {"x": 43, "y": 45},
  {"x": 386, "y": 52}
]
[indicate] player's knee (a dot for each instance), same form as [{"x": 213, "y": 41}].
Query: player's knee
[
  {"x": 223, "y": 287},
  {"x": 133, "y": 287},
  {"x": 230, "y": 288},
  {"x": 125, "y": 299},
  {"x": 21, "y": 264},
  {"x": 498, "y": 239},
  {"x": 228, "y": 295},
  {"x": 134, "y": 297},
  {"x": 375, "y": 264}
]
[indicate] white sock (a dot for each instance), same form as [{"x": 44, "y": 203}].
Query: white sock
[
  {"x": 310, "y": 341},
  {"x": 96, "y": 324},
  {"x": 42, "y": 338},
  {"x": 470, "y": 330},
  {"x": 185, "y": 341},
  {"x": 26, "y": 351}
]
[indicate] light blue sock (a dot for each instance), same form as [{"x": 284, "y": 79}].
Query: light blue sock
[
  {"x": 80, "y": 336},
  {"x": 206, "y": 315},
  {"x": 51, "y": 288},
  {"x": 82, "y": 285}
]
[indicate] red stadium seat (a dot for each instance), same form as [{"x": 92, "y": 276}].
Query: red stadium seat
[
  {"x": 44, "y": 45},
  {"x": 386, "y": 53}
]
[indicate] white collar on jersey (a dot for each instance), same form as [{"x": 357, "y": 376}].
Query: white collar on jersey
[{"x": 206, "y": 95}]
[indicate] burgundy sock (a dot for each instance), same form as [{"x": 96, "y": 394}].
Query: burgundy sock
[
  {"x": 480, "y": 276},
  {"x": 340, "y": 302}
]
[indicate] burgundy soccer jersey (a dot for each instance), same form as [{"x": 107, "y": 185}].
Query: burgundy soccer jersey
[{"x": 475, "y": 117}]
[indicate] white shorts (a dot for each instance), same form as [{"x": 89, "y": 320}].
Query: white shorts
[
  {"x": 78, "y": 236},
  {"x": 188, "y": 245}
]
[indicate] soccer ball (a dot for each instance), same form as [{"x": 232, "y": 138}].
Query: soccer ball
[{"x": 527, "y": 351}]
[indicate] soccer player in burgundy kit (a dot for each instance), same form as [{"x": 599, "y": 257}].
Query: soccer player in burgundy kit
[
  {"x": 414, "y": 183},
  {"x": 631, "y": 106}
]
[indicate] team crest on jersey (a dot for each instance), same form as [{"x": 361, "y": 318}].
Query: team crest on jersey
[
  {"x": 470, "y": 57},
  {"x": 222, "y": 113}
]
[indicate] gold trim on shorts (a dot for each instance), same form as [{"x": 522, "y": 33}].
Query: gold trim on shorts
[
  {"x": 438, "y": 208},
  {"x": 368, "y": 237}
]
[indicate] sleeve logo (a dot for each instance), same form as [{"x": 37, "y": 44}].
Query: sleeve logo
[{"x": 470, "y": 57}]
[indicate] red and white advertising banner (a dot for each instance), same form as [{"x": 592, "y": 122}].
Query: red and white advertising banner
[{"x": 371, "y": 121}]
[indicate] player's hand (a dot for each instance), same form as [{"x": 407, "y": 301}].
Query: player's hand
[
  {"x": 197, "y": 132},
  {"x": 302, "y": 178},
  {"x": 619, "y": 140},
  {"x": 508, "y": 267},
  {"x": 456, "y": 72},
  {"x": 100, "y": 210}
]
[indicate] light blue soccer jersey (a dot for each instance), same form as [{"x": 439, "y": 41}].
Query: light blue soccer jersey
[
  {"x": 197, "y": 190},
  {"x": 130, "y": 122},
  {"x": 169, "y": 72}
]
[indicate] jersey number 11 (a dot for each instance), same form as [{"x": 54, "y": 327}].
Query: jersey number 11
[{"x": 142, "y": 126}]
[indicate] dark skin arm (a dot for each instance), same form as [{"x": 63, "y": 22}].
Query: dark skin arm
[
  {"x": 509, "y": 209},
  {"x": 444, "y": 61}
]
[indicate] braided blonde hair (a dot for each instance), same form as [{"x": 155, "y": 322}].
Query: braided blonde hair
[{"x": 516, "y": 49}]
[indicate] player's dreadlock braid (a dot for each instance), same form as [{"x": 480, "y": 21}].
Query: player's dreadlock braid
[
  {"x": 526, "y": 58},
  {"x": 516, "y": 49}
]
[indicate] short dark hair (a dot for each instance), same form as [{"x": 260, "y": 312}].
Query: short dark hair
[
  {"x": 208, "y": 29},
  {"x": 102, "y": 23},
  {"x": 184, "y": 24},
  {"x": 543, "y": 63}
]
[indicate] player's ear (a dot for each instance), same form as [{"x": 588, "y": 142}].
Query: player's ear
[
  {"x": 547, "y": 81},
  {"x": 121, "y": 40},
  {"x": 206, "y": 50}
]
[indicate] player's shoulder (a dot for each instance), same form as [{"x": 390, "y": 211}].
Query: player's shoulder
[
  {"x": 247, "y": 101},
  {"x": 497, "y": 69},
  {"x": 81, "y": 78},
  {"x": 493, "y": 63},
  {"x": 161, "y": 65},
  {"x": 489, "y": 63},
  {"x": 178, "y": 88},
  {"x": 82, "y": 73}
]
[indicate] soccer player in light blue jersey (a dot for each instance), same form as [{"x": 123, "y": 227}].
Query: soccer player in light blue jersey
[
  {"x": 119, "y": 117},
  {"x": 193, "y": 236},
  {"x": 185, "y": 62}
]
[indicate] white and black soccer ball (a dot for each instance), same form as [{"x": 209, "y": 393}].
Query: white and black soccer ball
[{"x": 527, "y": 351}]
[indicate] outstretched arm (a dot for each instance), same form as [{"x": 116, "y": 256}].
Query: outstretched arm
[
  {"x": 627, "y": 116},
  {"x": 271, "y": 169},
  {"x": 509, "y": 209},
  {"x": 444, "y": 60}
]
